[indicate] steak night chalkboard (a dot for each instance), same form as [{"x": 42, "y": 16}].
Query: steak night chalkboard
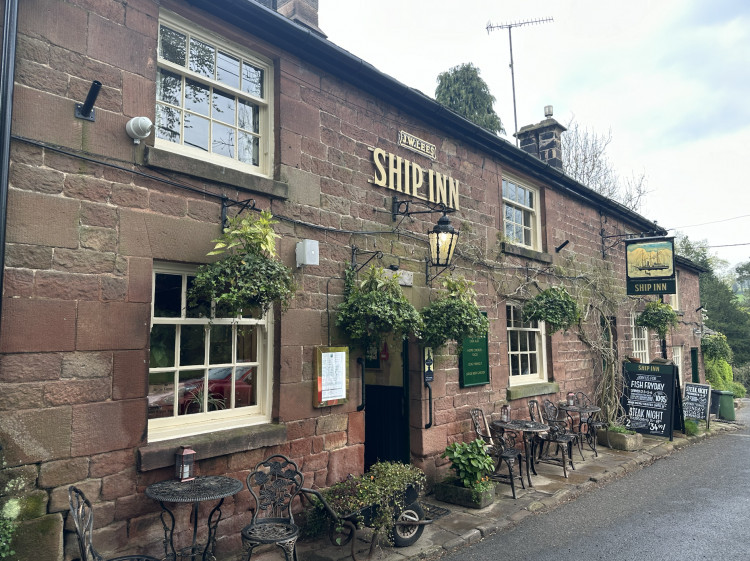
[
  {"x": 696, "y": 401},
  {"x": 649, "y": 398}
]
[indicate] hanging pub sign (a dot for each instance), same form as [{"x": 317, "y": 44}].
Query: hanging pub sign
[{"x": 649, "y": 264}]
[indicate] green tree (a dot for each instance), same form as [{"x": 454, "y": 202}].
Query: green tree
[
  {"x": 724, "y": 311},
  {"x": 462, "y": 90}
]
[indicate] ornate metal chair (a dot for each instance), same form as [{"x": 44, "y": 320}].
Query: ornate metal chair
[
  {"x": 480, "y": 425},
  {"x": 504, "y": 449},
  {"x": 591, "y": 421},
  {"x": 274, "y": 484},
  {"x": 83, "y": 518},
  {"x": 558, "y": 434}
]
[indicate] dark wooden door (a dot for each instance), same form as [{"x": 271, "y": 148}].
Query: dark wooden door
[{"x": 387, "y": 406}]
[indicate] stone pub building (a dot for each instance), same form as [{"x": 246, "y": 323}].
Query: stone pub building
[{"x": 251, "y": 102}]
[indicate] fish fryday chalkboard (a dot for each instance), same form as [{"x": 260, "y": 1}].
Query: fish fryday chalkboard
[
  {"x": 649, "y": 398},
  {"x": 696, "y": 401}
]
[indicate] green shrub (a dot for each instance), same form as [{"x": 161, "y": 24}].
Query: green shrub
[
  {"x": 691, "y": 427},
  {"x": 737, "y": 389},
  {"x": 555, "y": 307},
  {"x": 7, "y": 529},
  {"x": 716, "y": 347},
  {"x": 657, "y": 316},
  {"x": 718, "y": 373},
  {"x": 454, "y": 315},
  {"x": 471, "y": 462}
]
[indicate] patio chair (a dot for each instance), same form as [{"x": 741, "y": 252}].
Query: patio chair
[
  {"x": 480, "y": 425},
  {"x": 593, "y": 424},
  {"x": 504, "y": 450},
  {"x": 274, "y": 483},
  {"x": 558, "y": 434},
  {"x": 83, "y": 518}
]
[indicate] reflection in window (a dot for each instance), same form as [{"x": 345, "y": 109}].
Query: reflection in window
[
  {"x": 199, "y": 363},
  {"x": 209, "y": 99}
]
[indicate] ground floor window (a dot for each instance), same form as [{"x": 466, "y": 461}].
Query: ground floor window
[
  {"x": 640, "y": 340},
  {"x": 525, "y": 348},
  {"x": 206, "y": 371}
]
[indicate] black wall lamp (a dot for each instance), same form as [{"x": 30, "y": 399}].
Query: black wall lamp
[
  {"x": 443, "y": 237},
  {"x": 86, "y": 110}
]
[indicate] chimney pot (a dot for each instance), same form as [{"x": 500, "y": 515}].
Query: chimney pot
[{"x": 548, "y": 111}]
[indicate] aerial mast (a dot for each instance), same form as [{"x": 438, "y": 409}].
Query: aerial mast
[{"x": 509, "y": 27}]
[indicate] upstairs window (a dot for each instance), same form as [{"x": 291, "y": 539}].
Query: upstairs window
[
  {"x": 520, "y": 214},
  {"x": 212, "y": 98}
]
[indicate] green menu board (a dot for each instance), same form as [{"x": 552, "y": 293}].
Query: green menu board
[{"x": 474, "y": 363}]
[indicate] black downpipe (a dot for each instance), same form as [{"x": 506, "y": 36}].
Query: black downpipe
[
  {"x": 361, "y": 362},
  {"x": 7, "y": 76}
]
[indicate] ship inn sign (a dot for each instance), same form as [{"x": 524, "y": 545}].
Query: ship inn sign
[{"x": 649, "y": 264}]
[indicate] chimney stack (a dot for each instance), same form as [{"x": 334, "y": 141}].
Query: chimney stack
[
  {"x": 304, "y": 12},
  {"x": 544, "y": 140}
]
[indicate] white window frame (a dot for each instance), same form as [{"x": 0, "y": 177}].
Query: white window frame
[
  {"x": 264, "y": 103},
  {"x": 175, "y": 426},
  {"x": 535, "y": 226},
  {"x": 533, "y": 330},
  {"x": 640, "y": 340},
  {"x": 677, "y": 358}
]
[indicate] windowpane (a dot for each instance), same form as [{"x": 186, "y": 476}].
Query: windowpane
[
  {"x": 202, "y": 58},
  {"x": 160, "y": 394},
  {"x": 526, "y": 236},
  {"x": 168, "y": 123},
  {"x": 169, "y": 88},
  {"x": 223, "y": 107},
  {"x": 515, "y": 366},
  {"x": 201, "y": 309},
  {"x": 513, "y": 341},
  {"x": 244, "y": 386},
  {"x": 246, "y": 343},
  {"x": 196, "y": 131},
  {"x": 533, "y": 369},
  {"x": 252, "y": 80},
  {"x": 247, "y": 117},
  {"x": 162, "y": 346},
  {"x": 167, "y": 295},
  {"x": 220, "y": 349},
  {"x": 192, "y": 345},
  {"x": 196, "y": 97},
  {"x": 228, "y": 70},
  {"x": 172, "y": 45},
  {"x": 524, "y": 364},
  {"x": 222, "y": 140},
  {"x": 249, "y": 151},
  {"x": 190, "y": 392}
]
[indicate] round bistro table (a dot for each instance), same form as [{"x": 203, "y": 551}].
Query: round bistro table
[
  {"x": 585, "y": 414},
  {"x": 196, "y": 491},
  {"x": 524, "y": 427}
]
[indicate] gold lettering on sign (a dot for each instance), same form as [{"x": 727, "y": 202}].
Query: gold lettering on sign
[
  {"x": 404, "y": 176},
  {"x": 416, "y": 144}
]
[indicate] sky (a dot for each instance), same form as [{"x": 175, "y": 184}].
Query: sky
[{"x": 670, "y": 79}]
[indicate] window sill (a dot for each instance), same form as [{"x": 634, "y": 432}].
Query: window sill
[
  {"x": 164, "y": 159},
  {"x": 530, "y": 390},
  {"x": 210, "y": 445},
  {"x": 519, "y": 251}
]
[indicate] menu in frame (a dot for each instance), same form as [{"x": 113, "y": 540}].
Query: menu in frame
[
  {"x": 331, "y": 376},
  {"x": 474, "y": 362}
]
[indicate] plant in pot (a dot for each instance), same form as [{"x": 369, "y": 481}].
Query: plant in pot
[
  {"x": 374, "y": 308},
  {"x": 247, "y": 278},
  {"x": 657, "y": 316},
  {"x": 454, "y": 315},
  {"x": 471, "y": 486},
  {"x": 555, "y": 307}
]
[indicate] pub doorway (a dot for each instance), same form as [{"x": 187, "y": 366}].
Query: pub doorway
[{"x": 387, "y": 403}]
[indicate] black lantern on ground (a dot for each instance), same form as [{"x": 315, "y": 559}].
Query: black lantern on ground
[
  {"x": 443, "y": 239},
  {"x": 184, "y": 464}
]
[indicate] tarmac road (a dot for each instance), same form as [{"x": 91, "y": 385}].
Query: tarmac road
[{"x": 693, "y": 504}]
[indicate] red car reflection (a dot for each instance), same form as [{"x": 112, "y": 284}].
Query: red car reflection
[{"x": 190, "y": 393}]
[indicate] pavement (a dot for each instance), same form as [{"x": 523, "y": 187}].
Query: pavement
[{"x": 454, "y": 527}]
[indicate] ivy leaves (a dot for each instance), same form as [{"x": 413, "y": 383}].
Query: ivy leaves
[
  {"x": 454, "y": 315},
  {"x": 555, "y": 307},
  {"x": 657, "y": 316}
]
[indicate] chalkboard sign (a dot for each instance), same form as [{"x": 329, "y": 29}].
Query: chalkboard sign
[
  {"x": 697, "y": 401},
  {"x": 649, "y": 398},
  {"x": 474, "y": 364}
]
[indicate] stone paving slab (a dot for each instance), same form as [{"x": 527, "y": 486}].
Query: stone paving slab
[{"x": 465, "y": 526}]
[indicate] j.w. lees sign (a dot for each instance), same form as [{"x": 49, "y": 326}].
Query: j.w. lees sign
[{"x": 407, "y": 177}]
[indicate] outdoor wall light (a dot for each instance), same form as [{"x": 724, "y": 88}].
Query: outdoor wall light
[
  {"x": 443, "y": 239},
  {"x": 86, "y": 110},
  {"x": 138, "y": 128}
]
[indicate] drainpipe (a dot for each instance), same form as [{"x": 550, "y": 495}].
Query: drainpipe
[{"x": 7, "y": 72}]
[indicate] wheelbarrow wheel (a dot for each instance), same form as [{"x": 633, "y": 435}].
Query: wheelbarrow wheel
[
  {"x": 405, "y": 535},
  {"x": 340, "y": 533}
]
